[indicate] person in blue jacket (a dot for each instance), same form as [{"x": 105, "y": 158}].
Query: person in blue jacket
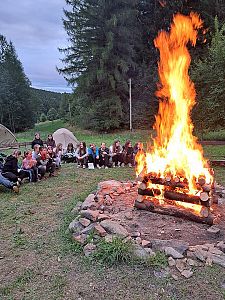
[{"x": 93, "y": 155}]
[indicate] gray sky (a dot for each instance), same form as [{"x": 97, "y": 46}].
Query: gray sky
[{"x": 36, "y": 30}]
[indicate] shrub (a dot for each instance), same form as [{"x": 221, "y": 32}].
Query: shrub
[
  {"x": 43, "y": 118},
  {"x": 114, "y": 252}
]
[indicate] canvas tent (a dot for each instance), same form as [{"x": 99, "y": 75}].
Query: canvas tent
[
  {"x": 64, "y": 136},
  {"x": 6, "y": 136}
]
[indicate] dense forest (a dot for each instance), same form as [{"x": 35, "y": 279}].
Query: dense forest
[
  {"x": 20, "y": 105},
  {"x": 112, "y": 41}
]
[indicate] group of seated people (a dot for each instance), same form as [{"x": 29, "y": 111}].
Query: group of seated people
[
  {"x": 102, "y": 157},
  {"x": 47, "y": 157}
]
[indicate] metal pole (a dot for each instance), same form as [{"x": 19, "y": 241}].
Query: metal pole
[{"x": 130, "y": 104}]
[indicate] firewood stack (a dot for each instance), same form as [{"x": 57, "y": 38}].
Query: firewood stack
[{"x": 170, "y": 196}]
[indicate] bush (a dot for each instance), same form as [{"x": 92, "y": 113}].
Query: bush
[
  {"x": 113, "y": 253},
  {"x": 43, "y": 117},
  {"x": 52, "y": 114}
]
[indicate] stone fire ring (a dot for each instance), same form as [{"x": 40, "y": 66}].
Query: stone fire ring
[{"x": 110, "y": 212}]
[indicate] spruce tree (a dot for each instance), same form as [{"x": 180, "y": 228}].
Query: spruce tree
[
  {"x": 104, "y": 38},
  {"x": 15, "y": 96}
]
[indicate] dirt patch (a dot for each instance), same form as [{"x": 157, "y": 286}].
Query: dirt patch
[{"x": 118, "y": 201}]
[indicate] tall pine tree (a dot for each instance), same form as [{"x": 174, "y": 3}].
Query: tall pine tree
[
  {"x": 104, "y": 38},
  {"x": 15, "y": 95}
]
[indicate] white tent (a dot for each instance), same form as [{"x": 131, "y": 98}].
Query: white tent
[
  {"x": 6, "y": 136},
  {"x": 64, "y": 136}
]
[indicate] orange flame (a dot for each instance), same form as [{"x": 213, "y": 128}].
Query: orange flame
[{"x": 176, "y": 151}]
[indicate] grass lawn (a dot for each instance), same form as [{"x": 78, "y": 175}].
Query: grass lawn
[{"x": 38, "y": 260}]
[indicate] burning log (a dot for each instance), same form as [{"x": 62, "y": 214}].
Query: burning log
[
  {"x": 153, "y": 205},
  {"x": 182, "y": 197},
  {"x": 149, "y": 192}
]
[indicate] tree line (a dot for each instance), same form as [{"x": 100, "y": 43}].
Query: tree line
[
  {"x": 112, "y": 41},
  {"x": 20, "y": 105}
]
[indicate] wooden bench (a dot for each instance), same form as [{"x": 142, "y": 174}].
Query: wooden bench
[{"x": 15, "y": 145}]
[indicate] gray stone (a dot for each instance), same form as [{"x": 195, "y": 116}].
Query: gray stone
[
  {"x": 100, "y": 230},
  {"x": 219, "y": 260},
  {"x": 187, "y": 273},
  {"x": 172, "y": 252},
  {"x": 102, "y": 217},
  {"x": 140, "y": 252},
  {"x": 145, "y": 243},
  {"x": 171, "y": 261},
  {"x": 81, "y": 239},
  {"x": 215, "y": 251},
  {"x": 89, "y": 249},
  {"x": 201, "y": 254},
  {"x": 89, "y": 229},
  {"x": 150, "y": 251},
  {"x": 138, "y": 240},
  {"x": 128, "y": 215},
  {"x": 214, "y": 230},
  {"x": 90, "y": 214},
  {"x": 178, "y": 245},
  {"x": 114, "y": 227},
  {"x": 90, "y": 203},
  {"x": 209, "y": 261},
  {"x": 85, "y": 222},
  {"x": 77, "y": 208},
  {"x": 192, "y": 262},
  {"x": 75, "y": 226},
  {"x": 180, "y": 265},
  {"x": 221, "y": 246},
  {"x": 109, "y": 238},
  {"x": 135, "y": 234}
]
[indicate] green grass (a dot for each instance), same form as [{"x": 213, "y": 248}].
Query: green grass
[
  {"x": 45, "y": 261},
  {"x": 113, "y": 253},
  {"x": 218, "y": 135}
]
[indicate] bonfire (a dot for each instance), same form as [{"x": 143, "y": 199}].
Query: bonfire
[{"x": 175, "y": 177}]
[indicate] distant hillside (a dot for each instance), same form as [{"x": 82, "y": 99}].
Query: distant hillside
[{"x": 45, "y": 100}]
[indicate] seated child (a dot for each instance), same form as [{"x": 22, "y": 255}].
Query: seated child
[
  {"x": 128, "y": 153},
  {"x": 69, "y": 156},
  {"x": 93, "y": 155},
  {"x": 82, "y": 155},
  {"x": 116, "y": 152},
  {"x": 50, "y": 141},
  {"x": 104, "y": 156},
  {"x": 29, "y": 165},
  {"x": 45, "y": 163},
  {"x": 58, "y": 155}
]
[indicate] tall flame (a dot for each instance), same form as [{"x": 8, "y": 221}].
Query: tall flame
[{"x": 175, "y": 151}]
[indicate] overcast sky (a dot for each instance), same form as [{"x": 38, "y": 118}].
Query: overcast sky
[{"x": 36, "y": 30}]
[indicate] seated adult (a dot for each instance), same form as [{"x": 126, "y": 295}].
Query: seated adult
[
  {"x": 104, "y": 156},
  {"x": 9, "y": 184},
  {"x": 10, "y": 169},
  {"x": 116, "y": 152},
  {"x": 50, "y": 141},
  {"x": 70, "y": 155},
  {"x": 29, "y": 165},
  {"x": 93, "y": 155},
  {"x": 37, "y": 140},
  {"x": 128, "y": 153},
  {"x": 82, "y": 155}
]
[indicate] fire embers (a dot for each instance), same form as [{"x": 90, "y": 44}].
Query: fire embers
[{"x": 171, "y": 195}]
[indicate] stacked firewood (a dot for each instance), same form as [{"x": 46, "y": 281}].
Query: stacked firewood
[{"x": 163, "y": 195}]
